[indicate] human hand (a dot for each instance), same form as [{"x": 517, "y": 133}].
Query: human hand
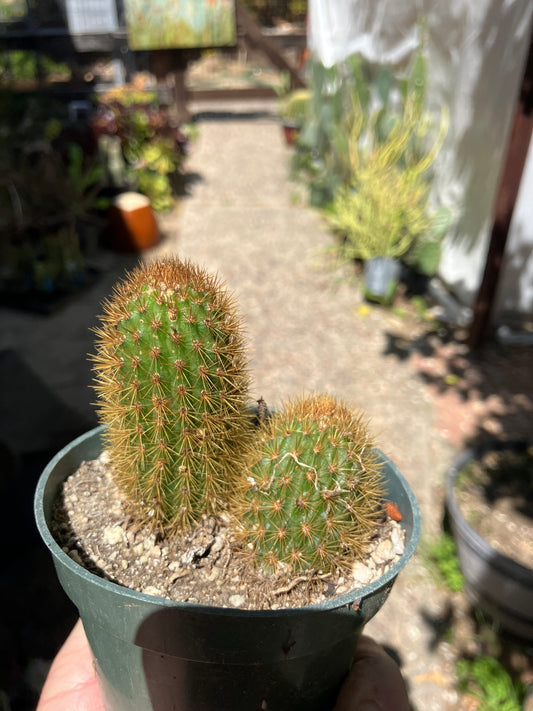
[
  {"x": 374, "y": 683},
  {"x": 71, "y": 682}
]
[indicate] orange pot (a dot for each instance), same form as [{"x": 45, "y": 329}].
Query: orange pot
[{"x": 132, "y": 223}]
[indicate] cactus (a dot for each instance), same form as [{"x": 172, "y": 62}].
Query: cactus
[
  {"x": 313, "y": 497},
  {"x": 172, "y": 379}
]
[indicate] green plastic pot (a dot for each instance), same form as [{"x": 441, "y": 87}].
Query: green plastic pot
[{"x": 153, "y": 654}]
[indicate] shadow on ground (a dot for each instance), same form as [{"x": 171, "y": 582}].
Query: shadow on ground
[{"x": 479, "y": 394}]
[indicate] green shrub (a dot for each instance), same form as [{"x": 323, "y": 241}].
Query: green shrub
[
  {"x": 490, "y": 683},
  {"x": 443, "y": 555}
]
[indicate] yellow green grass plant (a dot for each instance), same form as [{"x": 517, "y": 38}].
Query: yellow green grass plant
[{"x": 383, "y": 210}]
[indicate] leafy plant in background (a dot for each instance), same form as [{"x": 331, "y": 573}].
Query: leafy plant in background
[
  {"x": 366, "y": 151},
  {"x": 44, "y": 201},
  {"x": 321, "y": 159},
  {"x": 23, "y": 65},
  {"x": 269, "y": 13},
  {"x": 48, "y": 187},
  {"x": 13, "y": 11},
  {"x": 293, "y": 106},
  {"x": 152, "y": 145},
  {"x": 443, "y": 555},
  {"x": 382, "y": 211},
  {"x": 487, "y": 680}
]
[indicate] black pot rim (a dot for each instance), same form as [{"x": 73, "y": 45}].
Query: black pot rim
[
  {"x": 347, "y": 599},
  {"x": 501, "y": 562}
]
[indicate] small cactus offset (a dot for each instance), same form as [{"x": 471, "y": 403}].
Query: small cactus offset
[
  {"x": 172, "y": 380},
  {"x": 314, "y": 492}
]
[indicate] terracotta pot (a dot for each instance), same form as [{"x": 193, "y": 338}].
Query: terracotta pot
[
  {"x": 132, "y": 223},
  {"x": 291, "y": 131}
]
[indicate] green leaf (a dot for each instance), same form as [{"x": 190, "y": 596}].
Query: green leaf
[
  {"x": 489, "y": 681},
  {"x": 385, "y": 122},
  {"x": 428, "y": 257},
  {"x": 384, "y": 83},
  {"x": 75, "y": 160},
  {"x": 403, "y": 87},
  {"x": 417, "y": 81},
  {"x": 360, "y": 84},
  {"x": 440, "y": 223}
]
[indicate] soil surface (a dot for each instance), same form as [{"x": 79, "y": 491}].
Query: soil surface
[
  {"x": 495, "y": 495},
  {"x": 205, "y": 566}
]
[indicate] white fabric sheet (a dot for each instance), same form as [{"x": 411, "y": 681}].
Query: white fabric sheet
[{"x": 476, "y": 51}]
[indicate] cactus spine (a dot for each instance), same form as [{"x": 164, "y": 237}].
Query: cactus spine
[
  {"x": 171, "y": 376},
  {"x": 314, "y": 489}
]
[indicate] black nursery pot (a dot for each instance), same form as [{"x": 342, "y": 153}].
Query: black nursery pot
[
  {"x": 381, "y": 276},
  {"x": 497, "y": 585},
  {"x": 154, "y": 654}
]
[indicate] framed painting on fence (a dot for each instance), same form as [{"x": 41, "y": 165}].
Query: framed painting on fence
[
  {"x": 12, "y": 10},
  {"x": 180, "y": 24}
]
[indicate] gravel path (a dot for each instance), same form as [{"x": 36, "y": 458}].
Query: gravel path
[
  {"x": 308, "y": 330},
  {"x": 246, "y": 220}
]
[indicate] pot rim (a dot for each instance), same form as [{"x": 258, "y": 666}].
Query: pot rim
[
  {"x": 506, "y": 565},
  {"x": 346, "y": 599}
]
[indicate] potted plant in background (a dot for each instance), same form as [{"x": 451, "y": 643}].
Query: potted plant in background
[
  {"x": 49, "y": 196},
  {"x": 292, "y": 108},
  {"x": 52, "y": 208},
  {"x": 489, "y": 492},
  {"x": 382, "y": 212},
  {"x": 367, "y": 150},
  {"x": 284, "y": 531},
  {"x": 142, "y": 142},
  {"x": 322, "y": 156}
]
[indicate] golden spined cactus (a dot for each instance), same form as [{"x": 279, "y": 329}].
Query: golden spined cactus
[
  {"x": 313, "y": 498},
  {"x": 172, "y": 382}
]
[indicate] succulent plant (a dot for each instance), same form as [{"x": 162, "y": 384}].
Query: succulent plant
[
  {"x": 314, "y": 490},
  {"x": 172, "y": 379}
]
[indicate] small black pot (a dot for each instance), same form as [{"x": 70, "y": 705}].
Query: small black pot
[
  {"x": 381, "y": 279},
  {"x": 496, "y": 584},
  {"x": 153, "y": 654}
]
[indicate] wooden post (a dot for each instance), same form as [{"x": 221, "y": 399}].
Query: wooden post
[
  {"x": 173, "y": 62},
  {"x": 181, "y": 95},
  {"x": 256, "y": 40},
  {"x": 513, "y": 168}
]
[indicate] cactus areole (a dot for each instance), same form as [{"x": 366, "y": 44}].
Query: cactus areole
[
  {"x": 314, "y": 493},
  {"x": 171, "y": 376}
]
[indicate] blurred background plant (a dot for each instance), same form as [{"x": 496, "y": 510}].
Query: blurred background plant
[
  {"x": 486, "y": 680},
  {"x": 50, "y": 187},
  {"x": 382, "y": 211},
  {"x": 366, "y": 152},
  {"x": 141, "y": 143},
  {"x": 293, "y": 106},
  {"x": 19, "y": 65},
  {"x": 273, "y": 12},
  {"x": 442, "y": 558}
]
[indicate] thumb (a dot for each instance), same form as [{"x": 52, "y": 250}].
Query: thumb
[{"x": 374, "y": 683}]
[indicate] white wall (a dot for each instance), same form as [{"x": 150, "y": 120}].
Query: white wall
[{"x": 476, "y": 51}]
